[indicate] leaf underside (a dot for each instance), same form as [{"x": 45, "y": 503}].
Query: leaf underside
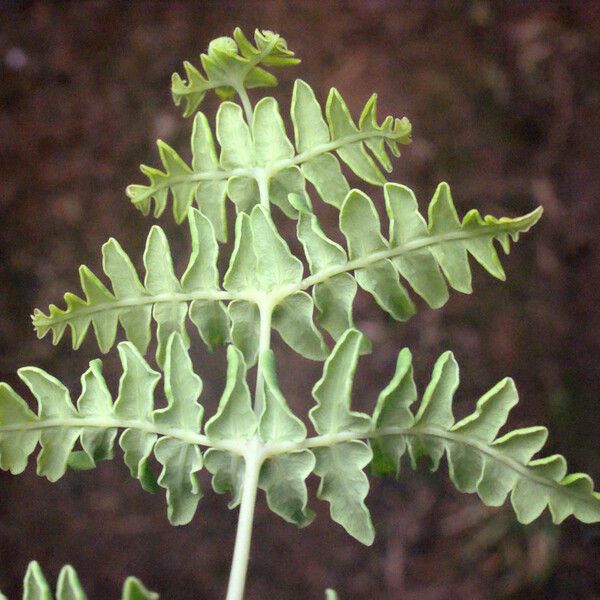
[
  {"x": 251, "y": 160},
  {"x": 480, "y": 459}
]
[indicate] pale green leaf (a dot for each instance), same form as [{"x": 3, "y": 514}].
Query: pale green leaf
[
  {"x": 161, "y": 280},
  {"x": 334, "y": 296},
  {"x": 310, "y": 129},
  {"x": 17, "y": 442},
  {"x": 360, "y": 224},
  {"x": 69, "y": 586},
  {"x": 293, "y": 320},
  {"x": 334, "y": 299},
  {"x": 201, "y": 272},
  {"x": 393, "y": 410},
  {"x": 320, "y": 251},
  {"x": 282, "y": 184},
  {"x": 210, "y": 317},
  {"x": 234, "y": 137},
  {"x": 452, "y": 256},
  {"x": 381, "y": 281},
  {"x": 162, "y": 296},
  {"x": 436, "y": 409},
  {"x": 54, "y": 404},
  {"x": 283, "y": 479},
  {"x": 388, "y": 134},
  {"x": 180, "y": 461},
  {"x": 353, "y": 154},
  {"x": 277, "y": 422},
  {"x": 96, "y": 293},
  {"x": 227, "y": 470},
  {"x": 245, "y": 328},
  {"x": 478, "y": 460},
  {"x": 283, "y": 476},
  {"x": 96, "y": 401},
  {"x": 417, "y": 250},
  {"x": 135, "y": 402},
  {"x": 419, "y": 268},
  {"x": 235, "y": 418},
  {"x": 484, "y": 423},
  {"x": 135, "y": 319},
  {"x": 35, "y": 586},
  {"x": 210, "y": 192},
  {"x": 134, "y": 589},
  {"x": 324, "y": 172},
  {"x": 268, "y": 132},
  {"x": 333, "y": 391},
  {"x": 212, "y": 321},
  {"x": 345, "y": 486},
  {"x": 276, "y": 265},
  {"x": 242, "y": 272},
  {"x": 176, "y": 179},
  {"x": 172, "y": 432},
  {"x": 243, "y": 192}
]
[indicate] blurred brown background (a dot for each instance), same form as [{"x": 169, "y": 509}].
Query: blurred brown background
[{"x": 504, "y": 100}]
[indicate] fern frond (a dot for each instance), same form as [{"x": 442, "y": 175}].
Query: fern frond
[
  {"x": 162, "y": 296},
  {"x": 425, "y": 254},
  {"x": 172, "y": 433},
  {"x": 480, "y": 460},
  {"x": 260, "y": 154},
  {"x": 231, "y": 65},
  {"x": 36, "y": 587}
]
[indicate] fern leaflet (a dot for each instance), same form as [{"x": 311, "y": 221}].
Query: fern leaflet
[{"x": 263, "y": 271}]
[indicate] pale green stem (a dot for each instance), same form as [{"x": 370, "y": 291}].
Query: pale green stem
[
  {"x": 243, "y": 538},
  {"x": 263, "y": 188},
  {"x": 272, "y": 169},
  {"x": 254, "y": 456},
  {"x": 168, "y": 298},
  {"x": 114, "y": 422},
  {"x": 264, "y": 343},
  {"x": 480, "y": 446},
  {"x": 243, "y": 94}
]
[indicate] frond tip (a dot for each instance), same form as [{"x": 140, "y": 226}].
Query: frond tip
[{"x": 230, "y": 65}]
